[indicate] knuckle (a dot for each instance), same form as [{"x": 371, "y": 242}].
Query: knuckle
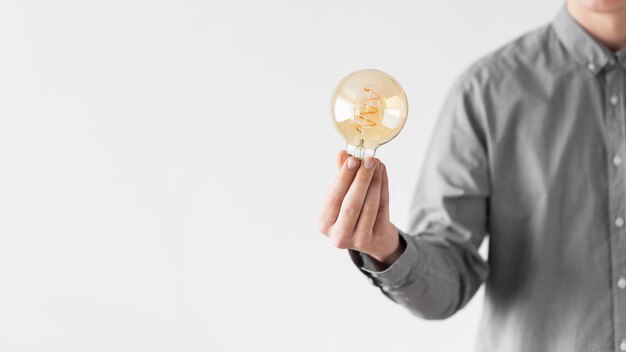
[
  {"x": 341, "y": 242},
  {"x": 323, "y": 227},
  {"x": 352, "y": 210},
  {"x": 333, "y": 233},
  {"x": 323, "y": 222}
]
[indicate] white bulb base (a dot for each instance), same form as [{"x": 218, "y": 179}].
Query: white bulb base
[{"x": 359, "y": 151}]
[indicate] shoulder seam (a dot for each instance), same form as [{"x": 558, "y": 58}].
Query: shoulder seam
[{"x": 495, "y": 55}]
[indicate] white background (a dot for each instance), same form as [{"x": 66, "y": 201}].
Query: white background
[{"x": 162, "y": 165}]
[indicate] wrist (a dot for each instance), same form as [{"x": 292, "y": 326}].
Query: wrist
[{"x": 395, "y": 249}]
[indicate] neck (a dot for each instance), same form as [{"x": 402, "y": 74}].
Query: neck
[{"x": 608, "y": 27}]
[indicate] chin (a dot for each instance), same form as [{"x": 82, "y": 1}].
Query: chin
[{"x": 604, "y": 6}]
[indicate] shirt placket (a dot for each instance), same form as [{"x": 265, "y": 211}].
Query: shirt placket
[{"x": 614, "y": 97}]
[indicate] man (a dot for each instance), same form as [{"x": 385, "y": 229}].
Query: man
[{"x": 529, "y": 149}]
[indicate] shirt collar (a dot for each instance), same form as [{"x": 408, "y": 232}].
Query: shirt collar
[{"x": 589, "y": 52}]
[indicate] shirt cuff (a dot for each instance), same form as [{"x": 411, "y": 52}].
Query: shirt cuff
[{"x": 396, "y": 272}]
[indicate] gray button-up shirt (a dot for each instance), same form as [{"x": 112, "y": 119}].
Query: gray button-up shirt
[{"x": 529, "y": 149}]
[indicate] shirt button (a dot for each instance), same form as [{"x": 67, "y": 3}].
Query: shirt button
[
  {"x": 612, "y": 61},
  {"x": 621, "y": 283},
  {"x": 591, "y": 66},
  {"x": 619, "y": 221},
  {"x": 614, "y": 99},
  {"x": 617, "y": 160},
  {"x": 622, "y": 345}
]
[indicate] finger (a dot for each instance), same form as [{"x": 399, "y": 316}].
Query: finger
[
  {"x": 383, "y": 206},
  {"x": 384, "y": 192},
  {"x": 353, "y": 201},
  {"x": 330, "y": 209},
  {"x": 342, "y": 156},
  {"x": 367, "y": 218}
]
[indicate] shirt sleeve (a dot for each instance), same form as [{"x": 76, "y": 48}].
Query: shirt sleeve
[{"x": 440, "y": 268}]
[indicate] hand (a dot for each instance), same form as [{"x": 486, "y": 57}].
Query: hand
[{"x": 356, "y": 212}]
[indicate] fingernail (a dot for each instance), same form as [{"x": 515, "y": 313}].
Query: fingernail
[
  {"x": 369, "y": 163},
  {"x": 352, "y": 163}
]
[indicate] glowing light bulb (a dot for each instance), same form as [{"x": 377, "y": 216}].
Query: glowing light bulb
[{"x": 369, "y": 108}]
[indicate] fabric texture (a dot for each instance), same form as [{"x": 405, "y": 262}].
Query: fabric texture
[{"x": 529, "y": 150}]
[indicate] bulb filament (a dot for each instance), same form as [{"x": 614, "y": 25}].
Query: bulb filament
[{"x": 367, "y": 108}]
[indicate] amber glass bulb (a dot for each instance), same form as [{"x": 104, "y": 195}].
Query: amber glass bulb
[{"x": 369, "y": 108}]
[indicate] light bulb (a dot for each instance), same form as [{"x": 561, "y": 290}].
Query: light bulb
[{"x": 369, "y": 108}]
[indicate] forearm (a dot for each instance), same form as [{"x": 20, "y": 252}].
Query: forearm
[{"x": 431, "y": 280}]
